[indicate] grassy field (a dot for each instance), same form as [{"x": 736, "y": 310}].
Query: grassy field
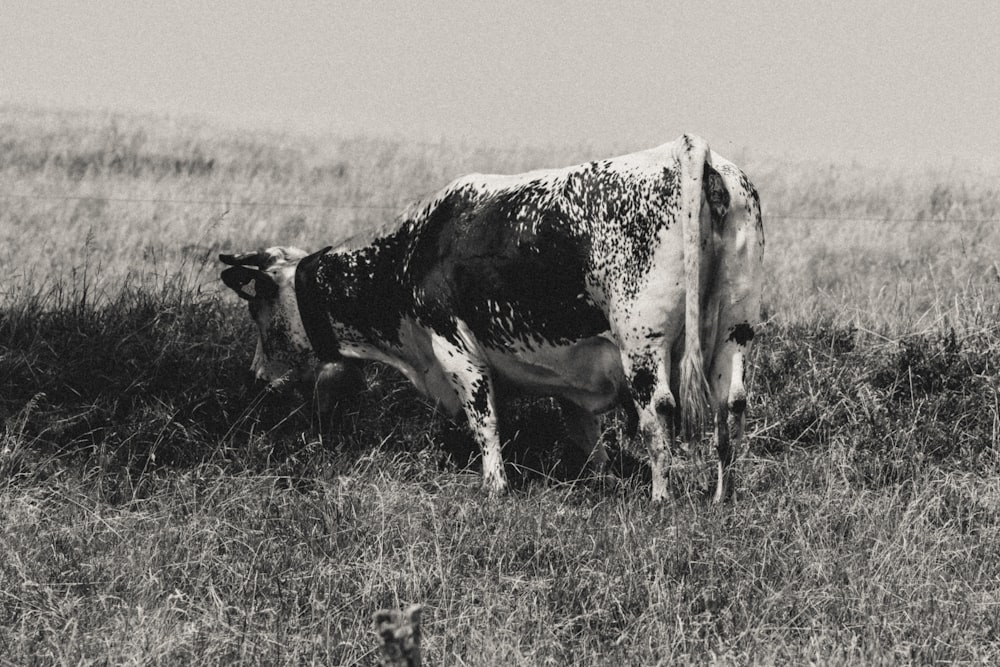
[{"x": 155, "y": 508}]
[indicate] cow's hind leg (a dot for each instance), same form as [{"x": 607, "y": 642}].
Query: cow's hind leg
[
  {"x": 648, "y": 374},
  {"x": 464, "y": 364},
  {"x": 729, "y": 400}
]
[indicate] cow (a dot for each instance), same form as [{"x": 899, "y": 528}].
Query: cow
[{"x": 638, "y": 275}]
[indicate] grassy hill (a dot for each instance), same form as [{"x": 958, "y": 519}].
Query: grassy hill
[{"x": 157, "y": 508}]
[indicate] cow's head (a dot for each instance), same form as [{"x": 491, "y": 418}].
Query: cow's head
[{"x": 266, "y": 280}]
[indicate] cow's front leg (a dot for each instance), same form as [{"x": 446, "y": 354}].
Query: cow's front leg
[{"x": 465, "y": 366}]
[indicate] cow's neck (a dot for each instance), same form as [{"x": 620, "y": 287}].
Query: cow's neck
[{"x": 353, "y": 292}]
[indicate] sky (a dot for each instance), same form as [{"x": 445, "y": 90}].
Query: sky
[{"x": 870, "y": 81}]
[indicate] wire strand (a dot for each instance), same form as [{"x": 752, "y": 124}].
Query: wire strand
[
  {"x": 400, "y": 205},
  {"x": 196, "y": 202}
]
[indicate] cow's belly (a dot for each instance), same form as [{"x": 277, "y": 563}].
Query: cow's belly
[{"x": 587, "y": 372}]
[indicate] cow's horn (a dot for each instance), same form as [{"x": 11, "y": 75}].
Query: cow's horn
[{"x": 259, "y": 259}]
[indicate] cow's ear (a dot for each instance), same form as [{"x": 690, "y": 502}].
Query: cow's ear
[{"x": 238, "y": 277}]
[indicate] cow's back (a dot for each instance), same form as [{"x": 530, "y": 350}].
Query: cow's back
[{"x": 544, "y": 255}]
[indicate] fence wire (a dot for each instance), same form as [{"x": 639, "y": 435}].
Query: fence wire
[{"x": 398, "y": 206}]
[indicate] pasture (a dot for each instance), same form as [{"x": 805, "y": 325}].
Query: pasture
[{"x": 155, "y": 508}]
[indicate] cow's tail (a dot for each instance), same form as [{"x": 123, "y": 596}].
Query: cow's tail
[{"x": 693, "y": 154}]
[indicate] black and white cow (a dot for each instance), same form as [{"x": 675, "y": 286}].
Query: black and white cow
[{"x": 639, "y": 274}]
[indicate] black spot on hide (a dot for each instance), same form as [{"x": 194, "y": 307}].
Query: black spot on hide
[{"x": 741, "y": 334}]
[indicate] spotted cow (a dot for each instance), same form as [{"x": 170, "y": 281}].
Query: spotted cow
[{"x": 638, "y": 275}]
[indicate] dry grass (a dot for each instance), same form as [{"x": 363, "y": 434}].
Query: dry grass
[{"x": 155, "y": 509}]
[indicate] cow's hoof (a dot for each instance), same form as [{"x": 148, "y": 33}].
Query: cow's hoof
[{"x": 494, "y": 490}]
